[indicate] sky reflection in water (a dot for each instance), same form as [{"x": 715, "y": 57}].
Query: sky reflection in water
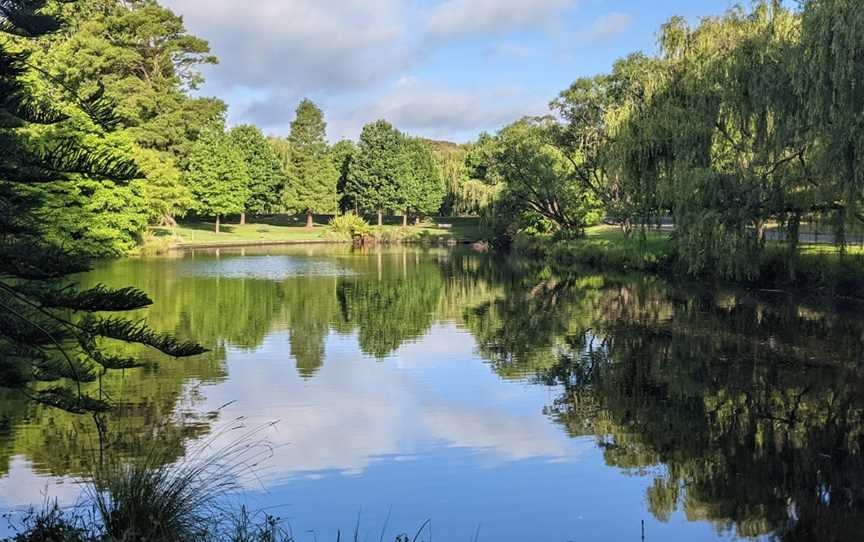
[{"x": 457, "y": 387}]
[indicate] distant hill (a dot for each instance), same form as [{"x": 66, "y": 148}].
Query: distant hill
[{"x": 443, "y": 146}]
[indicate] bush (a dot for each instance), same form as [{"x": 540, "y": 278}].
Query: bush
[{"x": 349, "y": 226}]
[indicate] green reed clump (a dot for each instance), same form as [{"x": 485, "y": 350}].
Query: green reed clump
[
  {"x": 160, "y": 500},
  {"x": 349, "y": 226}
]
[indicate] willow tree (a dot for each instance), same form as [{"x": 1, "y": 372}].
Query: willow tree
[
  {"x": 594, "y": 111},
  {"x": 464, "y": 169},
  {"x": 831, "y": 85},
  {"x": 51, "y": 331},
  {"x": 716, "y": 135}
]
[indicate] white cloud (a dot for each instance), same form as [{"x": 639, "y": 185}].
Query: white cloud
[
  {"x": 302, "y": 45},
  {"x": 456, "y": 17},
  {"x": 608, "y": 26},
  {"x": 347, "y": 55},
  {"x": 510, "y": 50},
  {"x": 423, "y": 108}
]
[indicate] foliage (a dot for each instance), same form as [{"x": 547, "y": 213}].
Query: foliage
[
  {"x": 51, "y": 523},
  {"x": 373, "y": 175},
  {"x": 390, "y": 171},
  {"x": 263, "y": 167},
  {"x": 743, "y": 120},
  {"x": 342, "y": 154},
  {"x": 139, "y": 57},
  {"x": 140, "y": 53},
  {"x": 349, "y": 226},
  {"x": 218, "y": 176},
  {"x": 538, "y": 180},
  {"x": 310, "y": 174},
  {"x": 49, "y": 330},
  {"x": 465, "y": 195},
  {"x": 421, "y": 188}
]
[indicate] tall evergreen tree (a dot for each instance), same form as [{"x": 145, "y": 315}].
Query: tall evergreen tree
[
  {"x": 49, "y": 330},
  {"x": 310, "y": 174},
  {"x": 263, "y": 168},
  {"x": 218, "y": 177}
]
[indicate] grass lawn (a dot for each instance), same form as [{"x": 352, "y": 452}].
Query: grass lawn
[{"x": 282, "y": 228}]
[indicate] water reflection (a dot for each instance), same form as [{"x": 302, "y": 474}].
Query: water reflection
[{"x": 737, "y": 410}]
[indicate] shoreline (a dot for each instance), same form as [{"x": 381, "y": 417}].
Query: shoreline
[
  {"x": 288, "y": 242},
  {"x": 820, "y": 274}
]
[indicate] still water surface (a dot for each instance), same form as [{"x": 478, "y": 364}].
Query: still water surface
[{"x": 484, "y": 393}]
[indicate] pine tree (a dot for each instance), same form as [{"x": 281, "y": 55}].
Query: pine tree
[
  {"x": 310, "y": 174},
  {"x": 218, "y": 177},
  {"x": 49, "y": 330}
]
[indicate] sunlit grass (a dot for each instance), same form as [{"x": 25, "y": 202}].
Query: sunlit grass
[{"x": 282, "y": 228}]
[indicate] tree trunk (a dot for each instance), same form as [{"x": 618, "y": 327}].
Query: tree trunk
[
  {"x": 405, "y": 219},
  {"x": 217, "y": 223},
  {"x": 760, "y": 230},
  {"x": 380, "y": 219},
  {"x": 309, "y": 223},
  {"x": 243, "y": 218},
  {"x": 417, "y": 220}
]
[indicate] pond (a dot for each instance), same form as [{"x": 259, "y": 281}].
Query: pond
[{"x": 497, "y": 398}]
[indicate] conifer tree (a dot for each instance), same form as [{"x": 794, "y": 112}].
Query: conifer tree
[
  {"x": 310, "y": 174},
  {"x": 49, "y": 330}
]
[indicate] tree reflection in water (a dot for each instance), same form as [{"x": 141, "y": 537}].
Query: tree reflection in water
[{"x": 746, "y": 409}]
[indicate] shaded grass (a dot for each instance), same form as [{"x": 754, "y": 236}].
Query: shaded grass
[{"x": 820, "y": 268}]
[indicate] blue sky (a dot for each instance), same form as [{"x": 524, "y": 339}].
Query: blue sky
[{"x": 441, "y": 69}]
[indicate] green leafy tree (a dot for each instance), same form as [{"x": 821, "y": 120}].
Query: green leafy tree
[
  {"x": 139, "y": 55},
  {"x": 374, "y": 174},
  {"x": 829, "y": 81},
  {"x": 539, "y": 180},
  {"x": 218, "y": 177},
  {"x": 342, "y": 154},
  {"x": 421, "y": 186},
  {"x": 142, "y": 55},
  {"x": 51, "y": 331},
  {"x": 592, "y": 111},
  {"x": 310, "y": 174},
  {"x": 263, "y": 167}
]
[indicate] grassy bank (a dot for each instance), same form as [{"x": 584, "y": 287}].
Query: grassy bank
[
  {"x": 288, "y": 229},
  {"x": 816, "y": 268}
]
